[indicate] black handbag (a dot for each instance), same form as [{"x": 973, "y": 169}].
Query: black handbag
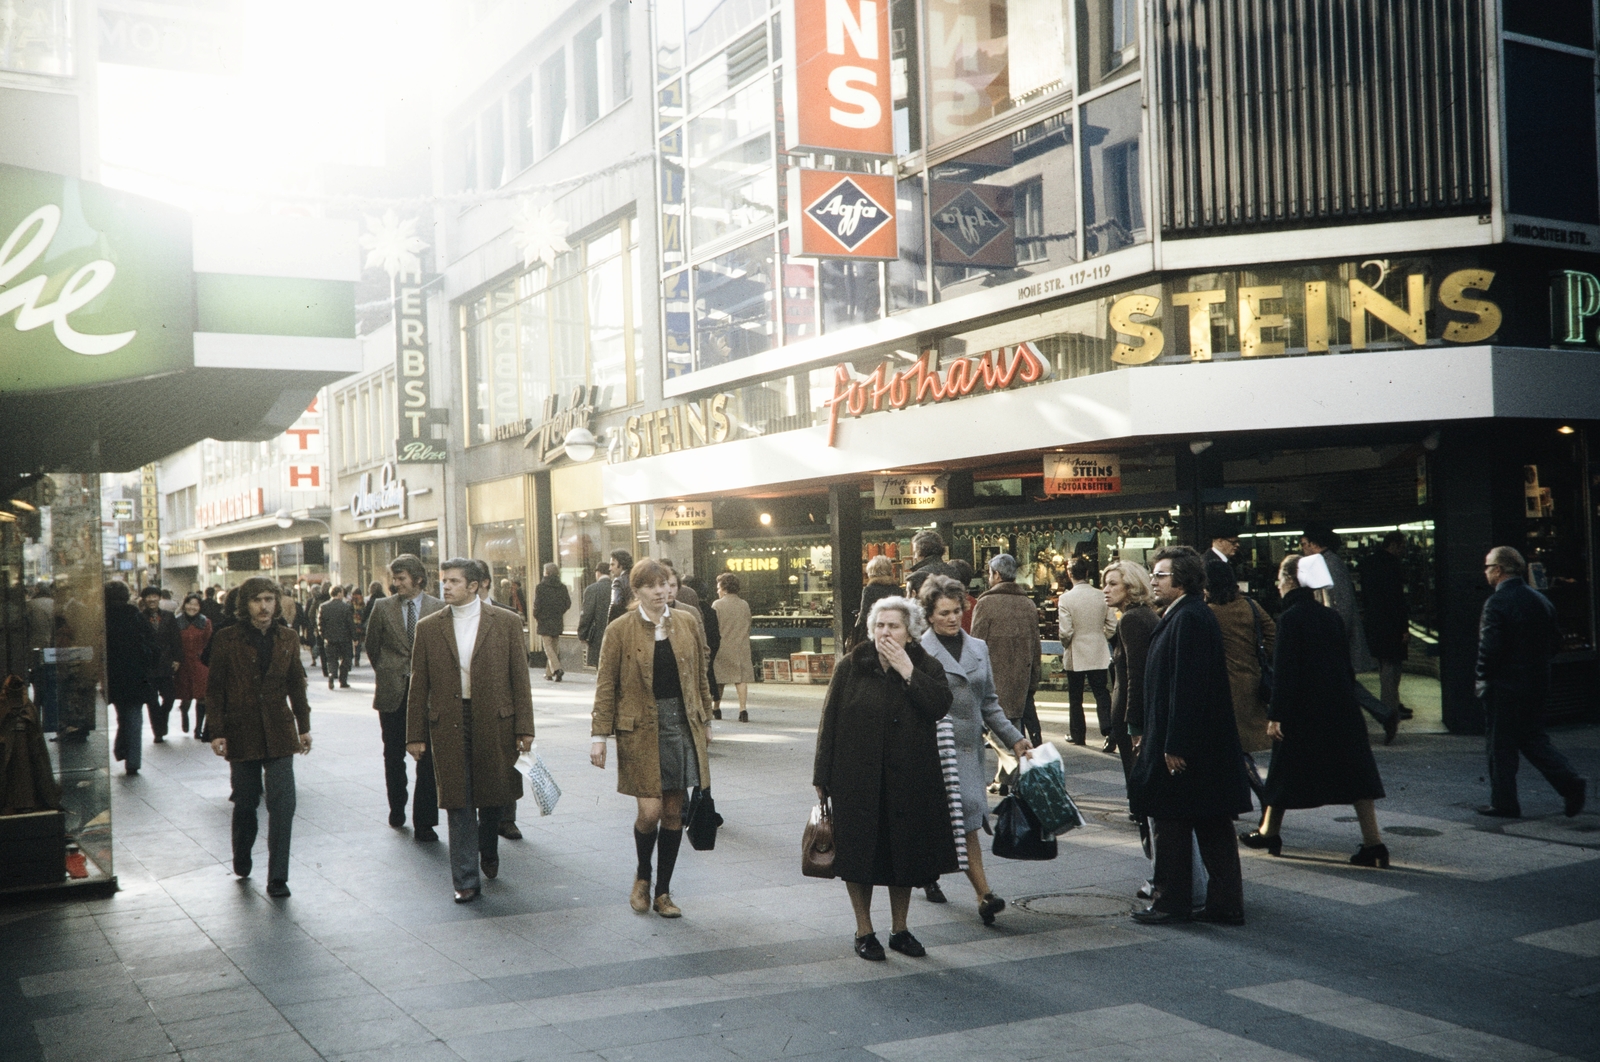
[
  {"x": 1017, "y": 834},
  {"x": 1264, "y": 689},
  {"x": 702, "y": 820}
]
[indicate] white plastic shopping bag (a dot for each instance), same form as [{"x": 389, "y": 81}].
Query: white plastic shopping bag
[{"x": 540, "y": 780}]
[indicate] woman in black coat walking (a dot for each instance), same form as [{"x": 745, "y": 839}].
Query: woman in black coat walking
[
  {"x": 878, "y": 762},
  {"x": 551, "y": 600},
  {"x": 1321, "y": 754}
]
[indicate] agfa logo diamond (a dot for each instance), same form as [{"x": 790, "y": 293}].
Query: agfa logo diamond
[
  {"x": 968, "y": 223},
  {"x": 848, "y": 214}
]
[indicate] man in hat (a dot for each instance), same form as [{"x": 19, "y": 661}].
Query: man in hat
[{"x": 258, "y": 718}]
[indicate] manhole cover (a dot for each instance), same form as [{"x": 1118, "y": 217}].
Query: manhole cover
[
  {"x": 1077, "y": 905},
  {"x": 1412, "y": 831}
]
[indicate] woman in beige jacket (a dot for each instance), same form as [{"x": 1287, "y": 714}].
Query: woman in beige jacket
[{"x": 653, "y": 694}]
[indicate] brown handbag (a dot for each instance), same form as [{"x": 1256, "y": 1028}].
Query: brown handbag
[{"x": 816, "y": 845}]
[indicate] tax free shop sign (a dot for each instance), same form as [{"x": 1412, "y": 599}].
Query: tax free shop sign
[{"x": 98, "y": 287}]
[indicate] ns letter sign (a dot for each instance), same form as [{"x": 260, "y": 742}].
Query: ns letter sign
[{"x": 839, "y": 94}]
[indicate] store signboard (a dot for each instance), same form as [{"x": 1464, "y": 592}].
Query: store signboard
[
  {"x": 910, "y": 492},
  {"x": 303, "y": 444},
  {"x": 150, "y": 502},
  {"x": 838, "y": 93},
  {"x": 549, "y": 438},
  {"x": 388, "y": 498},
  {"x": 683, "y": 516},
  {"x": 680, "y": 427},
  {"x": 416, "y": 444},
  {"x": 1076, "y": 474},
  {"x": 241, "y": 506},
  {"x": 96, "y": 286},
  {"x": 888, "y": 388},
  {"x": 122, "y": 509},
  {"x": 197, "y": 36},
  {"x": 844, "y": 215},
  {"x": 972, "y": 225}
]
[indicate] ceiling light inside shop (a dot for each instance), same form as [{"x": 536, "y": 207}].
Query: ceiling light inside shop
[
  {"x": 1566, "y": 429},
  {"x": 766, "y": 519},
  {"x": 22, "y": 506}
]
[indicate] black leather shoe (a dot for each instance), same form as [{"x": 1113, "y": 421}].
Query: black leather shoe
[
  {"x": 397, "y": 819},
  {"x": 242, "y": 867},
  {"x": 278, "y": 889},
  {"x": 1151, "y": 916},
  {"x": 868, "y": 948},
  {"x": 491, "y": 868},
  {"x": 906, "y": 944},
  {"x": 1147, "y": 891},
  {"x": 991, "y": 906},
  {"x": 1490, "y": 811},
  {"x": 1371, "y": 855},
  {"x": 935, "y": 894},
  {"x": 1272, "y": 845},
  {"x": 1220, "y": 918},
  {"x": 509, "y": 831},
  {"x": 559, "y": 674},
  {"x": 1109, "y": 746},
  {"x": 1577, "y": 796},
  {"x": 426, "y": 833},
  {"x": 466, "y": 895},
  {"x": 716, "y": 713}
]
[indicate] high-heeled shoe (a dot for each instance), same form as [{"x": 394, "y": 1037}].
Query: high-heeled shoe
[
  {"x": 1272, "y": 843},
  {"x": 991, "y": 906},
  {"x": 1371, "y": 855}
]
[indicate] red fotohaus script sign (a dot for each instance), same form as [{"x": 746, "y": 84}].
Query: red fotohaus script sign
[
  {"x": 839, "y": 97},
  {"x": 990, "y": 370}
]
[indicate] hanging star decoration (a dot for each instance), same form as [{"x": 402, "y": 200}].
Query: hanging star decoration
[
  {"x": 541, "y": 235},
  {"x": 393, "y": 245}
]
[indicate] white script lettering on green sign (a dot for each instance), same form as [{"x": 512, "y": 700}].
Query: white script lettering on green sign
[{"x": 82, "y": 288}]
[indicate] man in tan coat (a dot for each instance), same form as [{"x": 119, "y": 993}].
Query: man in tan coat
[
  {"x": 1007, "y": 621},
  {"x": 471, "y": 702},
  {"x": 1085, "y": 628}
]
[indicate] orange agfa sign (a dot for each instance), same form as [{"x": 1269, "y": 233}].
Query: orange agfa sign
[
  {"x": 844, "y": 215},
  {"x": 838, "y": 98}
]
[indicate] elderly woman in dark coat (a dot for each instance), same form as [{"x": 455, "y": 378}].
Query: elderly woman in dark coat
[
  {"x": 974, "y": 706},
  {"x": 1322, "y": 755},
  {"x": 878, "y": 762}
]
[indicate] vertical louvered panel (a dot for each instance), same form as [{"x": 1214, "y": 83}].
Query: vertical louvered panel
[{"x": 1277, "y": 113}]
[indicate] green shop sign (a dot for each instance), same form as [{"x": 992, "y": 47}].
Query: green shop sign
[{"x": 96, "y": 285}]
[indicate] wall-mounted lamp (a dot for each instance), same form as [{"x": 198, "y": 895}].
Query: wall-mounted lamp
[
  {"x": 766, "y": 519},
  {"x": 580, "y": 444}
]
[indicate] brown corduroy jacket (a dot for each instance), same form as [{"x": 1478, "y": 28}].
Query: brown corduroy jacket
[{"x": 262, "y": 716}]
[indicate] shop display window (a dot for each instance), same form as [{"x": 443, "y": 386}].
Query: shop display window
[
  {"x": 503, "y": 545},
  {"x": 1554, "y": 536},
  {"x": 584, "y": 541},
  {"x": 1113, "y": 197},
  {"x": 788, "y": 584}
]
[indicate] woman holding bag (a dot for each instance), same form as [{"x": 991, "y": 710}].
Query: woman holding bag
[
  {"x": 878, "y": 762},
  {"x": 653, "y": 693},
  {"x": 973, "y": 706}
]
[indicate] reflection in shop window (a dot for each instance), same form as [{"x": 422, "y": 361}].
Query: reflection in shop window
[
  {"x": 799, "y": 296},
  {"x": 987, "y": 56},
  {"x": 710, "y": 24},
  {"x": 36, "y": 37},
  {"x": 677, "y": 309},
  {"x": 1113, "y": 204},
  {"x": 731, "y": 175},
  {"x": 903, "y": 76},
  {"x": 908, "y": 274},
  {"x": 851, "y": 293},
  {"x": 733, "y": 304},
  {"x": 1108, "y": 40}
]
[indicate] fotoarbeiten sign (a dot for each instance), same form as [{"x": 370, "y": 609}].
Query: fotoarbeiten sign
[{"x": 96, "y": 286}]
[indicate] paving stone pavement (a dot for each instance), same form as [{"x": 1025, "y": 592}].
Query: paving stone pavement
[{"x": 1481, "y": 942}]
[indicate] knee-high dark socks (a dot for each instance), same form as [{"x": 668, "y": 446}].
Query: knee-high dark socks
[
  {"x": 644, "y": 843},
  {"x": 667, "y": 846}
]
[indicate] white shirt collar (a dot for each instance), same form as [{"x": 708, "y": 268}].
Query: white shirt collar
[{"x": 661, "y": 628}]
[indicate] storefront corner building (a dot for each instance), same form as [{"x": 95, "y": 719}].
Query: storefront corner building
[
  {"x": 129, "y": 330},
  {"x": 1130, "y": 298}
]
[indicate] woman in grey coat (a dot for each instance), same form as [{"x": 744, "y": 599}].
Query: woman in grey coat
[{"x": 974, "y": 706}]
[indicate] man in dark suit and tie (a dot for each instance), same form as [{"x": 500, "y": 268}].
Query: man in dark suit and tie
[
  {"x": 592, "y": 614},
  {"x": 389, "y": 637}
]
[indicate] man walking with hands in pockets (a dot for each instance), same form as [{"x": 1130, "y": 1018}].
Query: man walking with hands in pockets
[{"x": 471, "y": 704}]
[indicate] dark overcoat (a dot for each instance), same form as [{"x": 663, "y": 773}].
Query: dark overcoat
[
  {"x": 262, "y": 716},
  {"x": 1383, "y": 592},
  {"x": 1188, "y": 712},
  {"x": 1130, "y": 647},
  {"x": 551, "y": 599},
  {"x": 130, "y": 645},
  {"x": 878, "y": 760},
  {"x": 502, "y": 705},
  {"x": 1325, "y": 756},
  {"x": 1517, "y": 635}
]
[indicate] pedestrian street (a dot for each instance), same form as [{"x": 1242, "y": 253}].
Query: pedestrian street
[{"x": 1481, "y": 942}]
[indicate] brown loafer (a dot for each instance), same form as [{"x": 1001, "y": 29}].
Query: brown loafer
[
  {"x": 639, "y": 898},
  {"x": 490, "y": 867},
  {"x": 666, "y": 908}
]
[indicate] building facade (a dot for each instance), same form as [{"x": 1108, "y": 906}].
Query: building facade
[{"x": 1082, "y": 279}]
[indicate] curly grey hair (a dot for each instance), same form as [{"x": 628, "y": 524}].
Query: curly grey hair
[{"x": 916, "y": 623}]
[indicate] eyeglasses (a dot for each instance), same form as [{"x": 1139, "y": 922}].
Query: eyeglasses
[
  {"x": 1491, "y": 567},
  {"x": 1160, "y": 575}
]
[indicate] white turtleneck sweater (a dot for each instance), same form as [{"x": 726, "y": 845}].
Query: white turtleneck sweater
[{"x": 465, "y": 618}]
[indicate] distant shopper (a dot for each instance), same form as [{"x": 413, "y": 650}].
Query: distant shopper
[
  {"x": 686, "y": 594},
  {"x": 336, "y": 622},
  {"x": 211, "y": 605},
  {"x": 734, "y": 662},
  {"x": 1225, "y": 544},
  {"x": 1085, "y": 625},
  {"x": 358, "y": 613},
  {"x": 659, "y": 714},
  {"x": 1006, "y": 620},
  {"x": 1516, "y": 638},
  {"x": 469, "y": 704},
  {"x": 879, "y": 585},
  {"x": 1321, "y": 754},
  {"x": 596, "y": 603},
  {"x": 258, "y": 718},
  {"x": 1189, "y": 777},
  {"x": 877, "y": 763},
  {"x": 162, "y": 668},
  {"x": 194, "y": 631},
  {"x": 551, "y": 600},
  {"x": 1127, "y": 593},
  {"x": 974, "y": 708},
  {"x": 1240, "y": 620},
  {"x": 621, "y": 592},
  {"x": 713, "y": 631},
  {"x": 1387, "y": 618},
  {"x": 130, "y": 643},
  {"x": 927, "y": 558},
  {"x": 1341, "y": 597},
  {"x": 390, "y": 634}
]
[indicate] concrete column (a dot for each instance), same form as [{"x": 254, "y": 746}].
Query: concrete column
[{"x": 844, "y": 522}]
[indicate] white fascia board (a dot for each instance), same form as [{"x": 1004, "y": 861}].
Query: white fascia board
[
  {"x": 228, "y": 350},
  {"x": 261, "y": 245},
  {"x": 1187, "y": 400},
  {"x": 1333, "y": 241}
]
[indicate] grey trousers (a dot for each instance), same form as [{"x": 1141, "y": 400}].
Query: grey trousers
[
  {"x": 247, "y": 778},
  {"x": 474, "y": 831}
]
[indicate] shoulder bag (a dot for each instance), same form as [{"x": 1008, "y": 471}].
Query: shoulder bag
[{"x": 701, "y": 820}]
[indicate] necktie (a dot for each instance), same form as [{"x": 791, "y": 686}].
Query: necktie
[{"x": 411, "y": 620}]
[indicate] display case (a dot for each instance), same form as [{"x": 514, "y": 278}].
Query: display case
[{"x": 787, "y": 580}]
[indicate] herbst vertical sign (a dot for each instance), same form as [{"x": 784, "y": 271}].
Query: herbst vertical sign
[
  {"x": 416, "y": 444},
  {"x": 838, "y": 98}
]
